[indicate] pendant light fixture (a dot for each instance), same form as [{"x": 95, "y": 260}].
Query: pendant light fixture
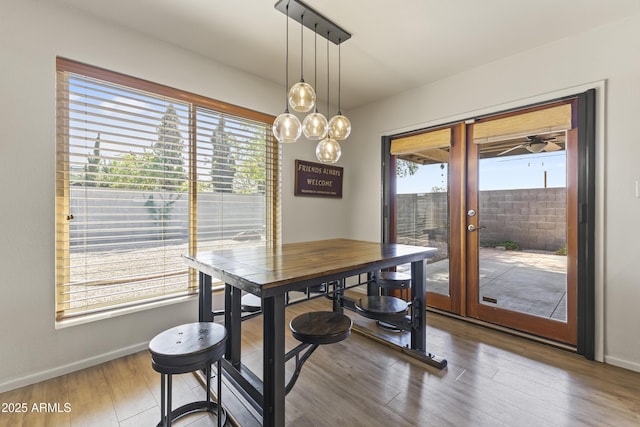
[
  {"x": 339, "y": 125},
  {"x": 287, "y": 127},
  {"x": 328, "y": 150},
  {"x": 315, "y": 125},
  {"x": 302, "y": 97}
]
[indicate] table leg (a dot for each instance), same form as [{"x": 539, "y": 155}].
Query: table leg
[
  {"x": 233, "y": 323},
  {"x": 338, "y": 296},
  {"x": 205, "y": 312},
  {"x": 273, "y": 361},
  {"x": 372, "y": 283},
  {"x": 418, "y": 294},
  {"x": 419, "y": 312}
]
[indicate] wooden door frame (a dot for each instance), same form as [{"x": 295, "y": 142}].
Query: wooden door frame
[
  {"x": 457, "y": 219},
  {"x": 585, "y": 121}
]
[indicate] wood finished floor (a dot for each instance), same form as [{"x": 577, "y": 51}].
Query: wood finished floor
[{"x": 493, "y": 379}]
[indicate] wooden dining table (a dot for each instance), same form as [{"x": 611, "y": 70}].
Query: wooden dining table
[{"x": 270, "y": 273}]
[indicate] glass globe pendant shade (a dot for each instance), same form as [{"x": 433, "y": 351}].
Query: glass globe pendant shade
[
  {"x": 302, "y": 97},
  {"x": 315, "y": 126},
  {"x": 339, "y": 127},
  {"x": 328, "y": 150},
  {"x": 287, "y": 128}
]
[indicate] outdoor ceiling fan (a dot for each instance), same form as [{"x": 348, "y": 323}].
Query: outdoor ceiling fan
[{"x": 536, "y": 144}]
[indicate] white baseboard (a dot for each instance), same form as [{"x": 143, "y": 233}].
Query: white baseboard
[
  {"x": 621, "y": 363},
  {"x": 71, "y": 367}
]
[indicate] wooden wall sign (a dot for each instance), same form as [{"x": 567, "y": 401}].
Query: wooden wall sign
[{"x": 317, "y": 179}]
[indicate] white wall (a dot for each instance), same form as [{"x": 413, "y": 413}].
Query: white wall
[
  {"x": 609, "y": 53},
  {"x": 311, "y": 218},
  {"x": 32, "y": 34}
]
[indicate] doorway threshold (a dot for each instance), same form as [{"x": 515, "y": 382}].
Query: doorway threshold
[{"x": 506, "y": 330}]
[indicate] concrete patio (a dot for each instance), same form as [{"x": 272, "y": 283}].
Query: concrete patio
[{"x": 532, "y": 282}]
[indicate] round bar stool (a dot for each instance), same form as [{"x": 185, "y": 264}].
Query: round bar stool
[
  {"x": 189, "y": 348},
  {"x": 320, "y": 327},
  {"x": 250, "y": 303},
  {"x": 313, "y": 329},
  {"x": 382, "y": 308},
  {"x": 395, "y": 280}
]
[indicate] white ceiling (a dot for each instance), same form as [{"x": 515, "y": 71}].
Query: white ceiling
[{"x": 396, "y": 45}]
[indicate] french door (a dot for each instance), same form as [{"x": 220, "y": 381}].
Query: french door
[
  {"x": 499, "y": 197},
  {"x": 521, "y": 222}
]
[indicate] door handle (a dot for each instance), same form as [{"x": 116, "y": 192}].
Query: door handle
[{"x": 472, "y": 227}]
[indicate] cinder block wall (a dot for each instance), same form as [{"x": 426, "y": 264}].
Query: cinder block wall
[{"x": 533, "y": 218}]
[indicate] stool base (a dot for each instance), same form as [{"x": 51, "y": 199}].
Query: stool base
[
  {"x": 388, "y": 326},
  {"x": 192, "y": 408},
  {"x": 167, "y": 416}
]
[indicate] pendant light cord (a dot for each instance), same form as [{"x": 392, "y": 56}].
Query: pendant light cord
[
  {"x": 286, "y": 66},
  {"x": 302, "y": 47},
  {"x": 315, "y": 58},
  {"x": 339, "y": 73},
  {"x": 328, "y": 33}
]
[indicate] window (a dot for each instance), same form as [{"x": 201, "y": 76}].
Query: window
[{"x": 146, "y": 173}]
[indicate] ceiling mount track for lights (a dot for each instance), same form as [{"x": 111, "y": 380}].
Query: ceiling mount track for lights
[{"x": 313, "y": 20}]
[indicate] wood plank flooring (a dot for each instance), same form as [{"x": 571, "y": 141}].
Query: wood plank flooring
[{"x": 493, "y": 379}]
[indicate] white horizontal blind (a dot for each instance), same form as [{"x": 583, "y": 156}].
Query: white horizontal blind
[
  {"x": 130, "y": 200},
  {"x": 234, "y": 160}
]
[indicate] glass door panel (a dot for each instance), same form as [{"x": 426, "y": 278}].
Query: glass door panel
[
  {"x": 422, "y": 212},
  {"x": 523, "y": 225}
]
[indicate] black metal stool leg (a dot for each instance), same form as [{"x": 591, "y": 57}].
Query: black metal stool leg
[
  {"x": 169, "y": 389},
  {"x": 207, "y": 374},
  {"x": 163, "y": 414},
  {"x": 219, "y": 374}
]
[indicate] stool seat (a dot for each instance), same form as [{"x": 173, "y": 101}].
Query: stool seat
[
  {"x": 394, "y": 280},
  {"x": 382, "y": 307},
  {"x": 250, "y": 303},
  {"x": 188, "y": 347},
  {"x": 320, "y": 327}
]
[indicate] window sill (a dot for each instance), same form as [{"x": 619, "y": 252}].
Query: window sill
[{"x": 89, "y": 318}]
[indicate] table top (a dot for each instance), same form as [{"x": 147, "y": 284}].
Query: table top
[{"x": 268, "y": 270}]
